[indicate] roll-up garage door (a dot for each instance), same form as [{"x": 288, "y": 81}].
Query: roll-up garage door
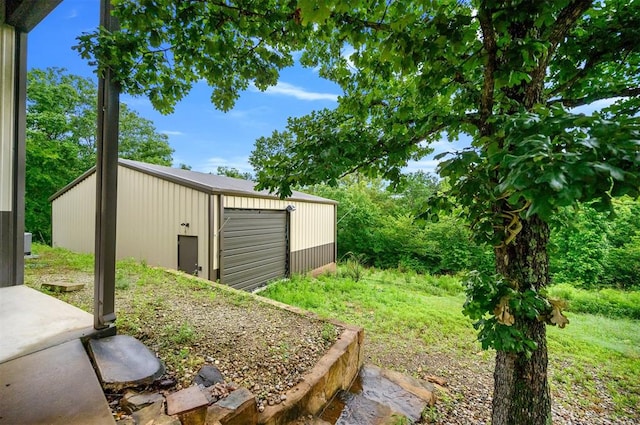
[{"x": 254, "y": 247}]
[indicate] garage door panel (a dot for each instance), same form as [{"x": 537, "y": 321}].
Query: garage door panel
[
  {"x": 265, "y": 222},
  {"x": 254, "y": 247},
  {"x": 267, "y": 272},
  {"x": 251, "y": 241},
  {"x": 250, "y": 284},
  {"x": 273, "y": 255},
  {"x": 254, "y": 228},
  {"x": 251, "y": 214},
  {"x": 264, "y": 251}
]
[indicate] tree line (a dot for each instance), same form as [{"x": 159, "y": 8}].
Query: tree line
[
  {"x": 61, "y": 140},
  {"x": 385, "y": 228}
]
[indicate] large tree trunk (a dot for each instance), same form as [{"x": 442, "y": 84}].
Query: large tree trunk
[{"x": 521, "y": 390}]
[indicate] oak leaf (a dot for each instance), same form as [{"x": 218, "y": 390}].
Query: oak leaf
[
  {"x": 502, "y": 312},
  {"x": 556, "y": 317}
]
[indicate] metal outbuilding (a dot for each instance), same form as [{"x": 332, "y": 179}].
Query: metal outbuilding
[{"x": 215, "y": 227}]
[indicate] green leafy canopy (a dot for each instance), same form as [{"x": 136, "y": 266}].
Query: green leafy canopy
[
  {"x": 507, "y": 74},
  {"x": 61, "y": 139},
  {"x": 418, "y": 70},
  {"x": 164, "y": 47}
]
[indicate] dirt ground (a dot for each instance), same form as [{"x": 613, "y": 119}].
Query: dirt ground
[{"x": 190, "y": 323}]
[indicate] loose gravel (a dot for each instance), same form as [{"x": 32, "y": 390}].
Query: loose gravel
[
  {"x": 467, "y": 396},
  {"x": 189, "y": 323},
  {"x": 268, "y": 350}
]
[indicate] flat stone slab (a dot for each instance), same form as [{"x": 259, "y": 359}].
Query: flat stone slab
[
  {"x": 237, "y": 399},
  {"x": 421, "y": 389},
  {"x": 186, "y": 400},
  {"x": 56, "y": 386},
  {"x": 238, "y": 408},
  {"x": 376, "y": 386},
  {"x": 190, "y": 404},
  {"x": 123, "y": 361},
  {"x": 133, "y": 401},
  {"x": 154, "y": 415},
  {"x": 63, "y": 286}
]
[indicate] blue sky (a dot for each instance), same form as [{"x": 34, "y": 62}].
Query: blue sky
[{"x": 202, "y": 137}]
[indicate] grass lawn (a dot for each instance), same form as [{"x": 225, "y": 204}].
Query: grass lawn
[
  {"x": 413, "y": 323},
  {"x": 594, "y": 362}
]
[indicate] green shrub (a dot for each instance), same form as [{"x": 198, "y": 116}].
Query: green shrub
[
  {"x": 593, "y": 249},
  {"x": 625, "y": 224},
  {"x": 622, "y": 265},
  {"x": 438, "y": 248},
  {"x": 352, "y": 267},
  {"x": 607, "y": 302},
  {"x": 579, "y": 247},
  {"x": 382, "y": 229}
]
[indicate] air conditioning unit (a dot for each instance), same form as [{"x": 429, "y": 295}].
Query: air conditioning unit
[{"x": 27, "y": 244}]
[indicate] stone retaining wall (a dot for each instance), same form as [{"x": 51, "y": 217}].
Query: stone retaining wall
[{"x": 335, "y": 371}]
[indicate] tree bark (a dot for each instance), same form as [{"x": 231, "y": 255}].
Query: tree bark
[{"x": 521, "y": 389}]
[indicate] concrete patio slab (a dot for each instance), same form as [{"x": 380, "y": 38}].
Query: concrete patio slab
[
  {"x": 31, "y": 321},
  {"x": 53, "y": 386}
]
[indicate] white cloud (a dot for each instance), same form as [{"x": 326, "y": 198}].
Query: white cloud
[
  {"x": 172, "y": 132},
  {"x": 346, "y": 55},
  {"x": 426, "y": 165},
  {"x": 210, "y": 165},
  {"x": 243, "y": 114},
  {"x": 287, "y": 89},
  {"x": 72, "y": 14},
  {"x": 443, "y": 145}
]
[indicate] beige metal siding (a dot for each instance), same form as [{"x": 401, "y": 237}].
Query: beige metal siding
[
  {"x": 311, "y": 232},
  {"x": 251, "y": 203},
  {"x": 311, "y": 224},
  {"x": 150, "y": 213},
  {"x": 7, "y": 82},
  {"x": 74, "y": 217}
]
